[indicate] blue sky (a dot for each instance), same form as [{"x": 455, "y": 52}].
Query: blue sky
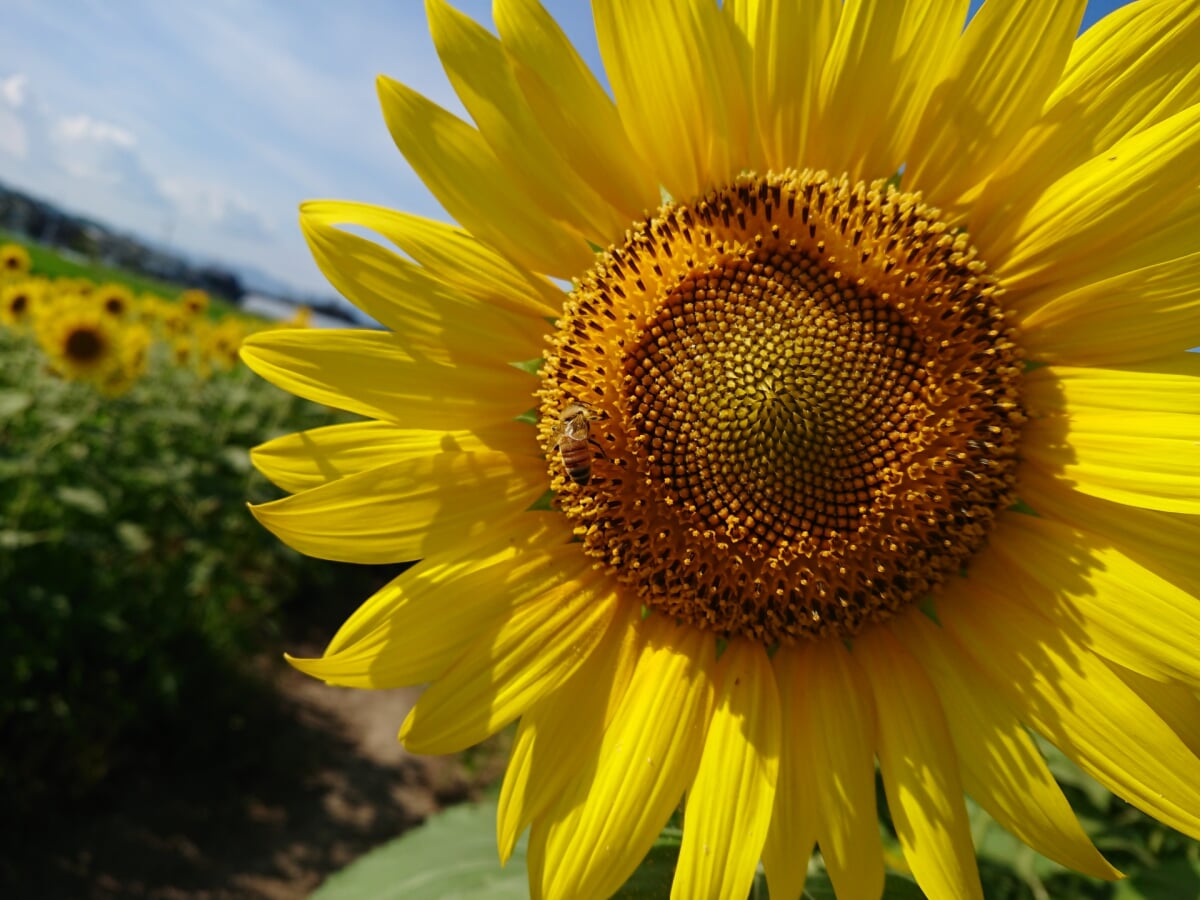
[{"x": 203, "y": 125}]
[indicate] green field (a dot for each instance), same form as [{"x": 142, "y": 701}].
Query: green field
[{"x": 52, "y": 264}]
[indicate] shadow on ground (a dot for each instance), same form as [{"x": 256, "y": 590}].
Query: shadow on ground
[{"x": 260, "y": 792}]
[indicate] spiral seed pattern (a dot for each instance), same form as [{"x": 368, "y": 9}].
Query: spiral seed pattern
[{"x": 805, "y": 397}]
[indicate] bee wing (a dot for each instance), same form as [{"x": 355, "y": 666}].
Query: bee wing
[{"x": 577, "y": 429}]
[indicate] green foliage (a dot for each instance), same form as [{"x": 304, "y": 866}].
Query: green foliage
[
  {"x": 131, "y": 573},
  {"x": 453, "y": 855}
]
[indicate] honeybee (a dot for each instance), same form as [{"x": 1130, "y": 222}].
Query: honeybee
[{"x": 574, "y": 442}]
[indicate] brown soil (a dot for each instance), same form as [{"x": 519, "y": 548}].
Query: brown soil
[{"x": 318, "y": 780}]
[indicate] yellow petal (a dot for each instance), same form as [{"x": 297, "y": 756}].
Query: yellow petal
[
  {"x": 1132, "y": 316},
  {"x": 854, "y": 90},
  {"x": 1093, "y": 391},
  {"x": 460, "y": 169},
  {"x": 451, "y": 254},
  {"x": 369, "y": 373},
  {"x": 405, "y": 510},
  {"x": 1163, "y": 542},
  {"x": 1132, "y": 187},
  {"x": 1058, "y": 686},
  {"x": 559, "y": 735},
  {"x": 837, "y": 701},
  {"x": 430, "y": 318},
  {"x": 1122, "y": 609},
  {"x": 992, "y": 88},
  {"x": 919, "y": 769},
  {"x": 306, "y": 459},
  {"x": 572, "y": 109},
  {"x": 1178, "y": 706},
  {"x": 729, "y": 804},
  {"x": 533, "y": 651},
  {"x": 885, "y": 61},
  {"x": 789, "y": 42},
  {"x": 484, "y": 80},
  {"x": 413, "y": 628},
  {"x": 1001, "y": 767},
  {"x": 1131, "y": 70},
  {"x": 1170, "y": 237},
  {"x": 607, "y": 820},
  {"x": 677, "y": 79},
  {"x": 1121, "y": 435},
  {"x": 509, "y": 557},
  {"x": 795, "y": 818}
]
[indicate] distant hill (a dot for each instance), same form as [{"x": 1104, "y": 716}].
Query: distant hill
[{"x": 46, "y": 223}]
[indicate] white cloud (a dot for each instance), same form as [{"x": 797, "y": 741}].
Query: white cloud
[
  {"x": 85, "y": 128},
  {"x": 15, "y": 89},
  {"x": 14, "y": 112},
  {"x": 100, "y": 152},
  {"x": 218, "y": 208}
]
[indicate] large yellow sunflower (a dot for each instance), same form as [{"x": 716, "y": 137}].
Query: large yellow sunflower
[{"x": 876, "y": 444}]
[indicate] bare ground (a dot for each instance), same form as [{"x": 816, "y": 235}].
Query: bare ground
[{"x": 319, "y": 779}]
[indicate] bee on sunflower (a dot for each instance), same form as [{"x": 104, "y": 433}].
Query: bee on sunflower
[{"x": 895, "y": 455}]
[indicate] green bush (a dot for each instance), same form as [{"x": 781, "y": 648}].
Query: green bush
[{"x": 130, "y": 569}]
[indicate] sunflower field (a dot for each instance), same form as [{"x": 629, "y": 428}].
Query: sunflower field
[{"x": 131, "y": 575}]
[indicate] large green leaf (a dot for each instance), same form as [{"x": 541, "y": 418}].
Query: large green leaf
[{"x": 451, "y": 857}]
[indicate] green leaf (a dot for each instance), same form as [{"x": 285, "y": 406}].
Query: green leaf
[
  {"x": 14, "y": 539},
  {"x": 1177, "y": 878},
  {"x": 237, "y": 458},
  {"x": 652, "y": 878},
  {"x": 1072, "y": 777},
  {"x": 14, "y": 402},
  {"x": 134, "y": 537},
  {"x": 817, "y": 886},
  {"x": 451, "y": 857},
  {"x": 85, "y": 499}
]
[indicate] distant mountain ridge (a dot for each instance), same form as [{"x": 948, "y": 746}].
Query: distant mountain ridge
[{"x": 46, "y": 223}]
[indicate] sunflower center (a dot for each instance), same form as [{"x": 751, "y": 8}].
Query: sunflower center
[
  {"x": 786, "y": 409},
  {"x": 83, "y": 346}
]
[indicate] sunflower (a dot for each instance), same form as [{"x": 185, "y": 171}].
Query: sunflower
[
  {"x": 81, "y": 340},
  {"x": 194, "y": 302},
  {"x": 115, "y": 299},
  {"x": 872, "y": 448},
  {"x": 14, "y": 260},
  {"x": 183, "y": 350},
  {"x": 17, "y": 302},
  {"x": 222, "y": 341}
]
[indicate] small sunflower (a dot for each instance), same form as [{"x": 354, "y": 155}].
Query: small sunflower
[
  {"x": 222, "y": 342},
  {"x": 115, "y": 299},
  {"x": 183, "y": 350},
  {"x": 14, "y": 260},
  {"x": 873, "y": 446},
  {"x": 73, "y": 287},
  {"x": 194, "y": 302},
  {"x": 17, "y": 302},
  {"x": 81, "y": 340}
]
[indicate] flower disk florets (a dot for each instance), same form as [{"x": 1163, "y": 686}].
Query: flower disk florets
[{"x": 803, "y": 398}]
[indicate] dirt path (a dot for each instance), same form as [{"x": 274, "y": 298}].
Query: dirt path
[{"x": 320, "y": 779}]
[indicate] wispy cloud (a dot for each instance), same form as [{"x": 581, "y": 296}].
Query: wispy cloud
[
  {"x": 219, "y": 208},
  {"x": 100, "y": 152}
]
